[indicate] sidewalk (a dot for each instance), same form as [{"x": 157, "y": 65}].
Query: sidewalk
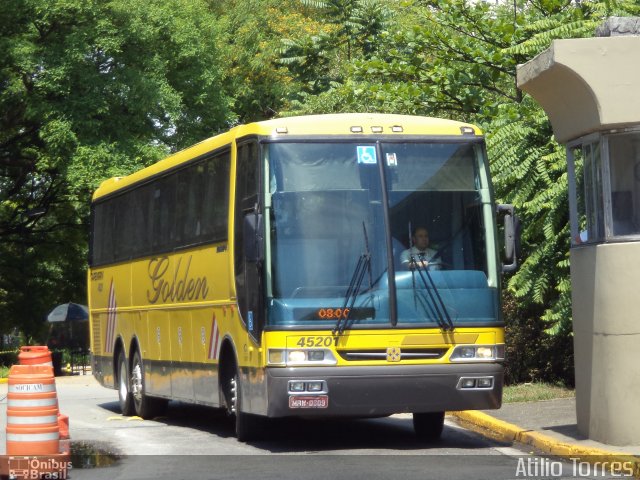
[{"x": 549, "y": 427}]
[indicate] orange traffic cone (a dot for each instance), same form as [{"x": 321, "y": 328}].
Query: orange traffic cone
[
  {"x": 35, "y": 355},
  {"x": 32, "y": 411}
]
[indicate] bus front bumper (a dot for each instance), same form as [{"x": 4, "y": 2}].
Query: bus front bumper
[{"x": 384, "y": 390}]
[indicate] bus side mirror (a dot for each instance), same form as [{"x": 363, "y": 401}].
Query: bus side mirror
[
  {"x": 253, "y": 238},
  {"x": 511, "y": 237}
]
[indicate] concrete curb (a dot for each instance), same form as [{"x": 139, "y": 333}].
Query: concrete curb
[
  {"x": 4, "y": 380},
  {"x": 508, "y": 432}
]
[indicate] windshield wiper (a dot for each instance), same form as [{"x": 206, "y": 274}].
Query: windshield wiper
[
  {"x": 437, "y": 305},
  {"x": 363, "y": 265}
]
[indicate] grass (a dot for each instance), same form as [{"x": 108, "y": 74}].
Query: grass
[
  {"x": 4, "y": 372},
  {"x": 535, "y": 392}
]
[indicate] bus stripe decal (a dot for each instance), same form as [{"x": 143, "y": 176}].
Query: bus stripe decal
[
  {"x": 214, "y": 340},
  {"x": 213, "y": 332},
  {"x": 111, "y": 319}
]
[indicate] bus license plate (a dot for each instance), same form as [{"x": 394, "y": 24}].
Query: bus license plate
[{"x": 305, "y": 401}]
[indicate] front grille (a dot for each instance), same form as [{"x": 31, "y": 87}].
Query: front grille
[{"x": 381, "y": 354}]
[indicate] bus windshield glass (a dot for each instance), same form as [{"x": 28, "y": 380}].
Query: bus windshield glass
[{"x": 327, "y": 249}]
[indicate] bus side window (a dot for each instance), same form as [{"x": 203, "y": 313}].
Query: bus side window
[{"x": 215, "y": 201}]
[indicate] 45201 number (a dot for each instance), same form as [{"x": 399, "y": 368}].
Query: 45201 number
[{"x": 318, "y": 341}]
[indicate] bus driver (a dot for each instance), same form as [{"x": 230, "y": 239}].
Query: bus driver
[{"x": 420, "y": 255}]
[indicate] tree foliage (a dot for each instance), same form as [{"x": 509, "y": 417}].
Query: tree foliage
[
  {"x": 249, "y": 46},
  {"x": 89, "y": 89},
  {"x": 348, "y": 29}
]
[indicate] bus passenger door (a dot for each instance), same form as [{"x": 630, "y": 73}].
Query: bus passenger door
[
  {"x": 248, "y": 248},
  {"x": 249, "y": 239},
  {"x": 253, "y": 312}
]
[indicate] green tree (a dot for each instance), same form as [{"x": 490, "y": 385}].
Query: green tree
[
  {"x": 89, "y": 89},
  {"x": 358, "y": 23},
  {"x": 349, "y": 29},
  {"x": 249, "y": 46}
]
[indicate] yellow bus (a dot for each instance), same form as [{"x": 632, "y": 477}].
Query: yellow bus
[{"x": 271, "y": 271}]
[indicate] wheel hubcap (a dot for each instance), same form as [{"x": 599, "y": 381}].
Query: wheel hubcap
[
  {"x": 234, "y": 395},
  {"x": 123, "y": 382},
  {"x": 136, "y": 382}
]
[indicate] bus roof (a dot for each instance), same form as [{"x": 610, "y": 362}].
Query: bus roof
[{"x": 349, "y": 124}]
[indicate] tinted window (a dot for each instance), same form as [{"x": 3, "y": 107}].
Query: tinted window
[{"x": 183, "y": 208}]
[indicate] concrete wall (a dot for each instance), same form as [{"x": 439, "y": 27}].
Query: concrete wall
[
  {"x": 606, "y": 311},
  {"x": 586, "y": 85}
]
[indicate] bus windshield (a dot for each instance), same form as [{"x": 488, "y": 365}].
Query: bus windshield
[{"x": 328, "y": 258}]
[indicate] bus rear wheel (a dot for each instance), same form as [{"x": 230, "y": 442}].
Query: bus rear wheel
[
  {"x": 124, "y": 383},
  {"x": 145, "y": 406},
  {"x": 428, "y": 426}
]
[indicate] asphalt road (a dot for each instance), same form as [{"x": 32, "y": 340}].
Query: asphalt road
[{"x": 193, "y": 442}]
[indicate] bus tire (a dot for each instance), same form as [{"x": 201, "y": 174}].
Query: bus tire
[
  {"x": 124, "y": 386},
  {"x": 246, "y": 425},
  {"x": 428, "y": 426},
  {"x": 145, "y": 406}
]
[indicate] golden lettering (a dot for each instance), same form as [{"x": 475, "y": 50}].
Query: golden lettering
[{"x": 179, "y": 287}]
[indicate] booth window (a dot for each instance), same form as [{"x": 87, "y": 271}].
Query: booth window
[
  {"x": 604, "y": 188},
  {"x": 588, "y": 217},
  {"x": 624, "y": 165}
]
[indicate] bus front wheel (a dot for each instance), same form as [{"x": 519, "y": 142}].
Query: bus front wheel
[
  {"x": 428, "y": 426},
  {"x": 124, "y": 386},
  {"x": 246, "y": 425}
]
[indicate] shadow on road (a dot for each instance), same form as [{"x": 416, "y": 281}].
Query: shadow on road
[{"x": 297, "y": 435}]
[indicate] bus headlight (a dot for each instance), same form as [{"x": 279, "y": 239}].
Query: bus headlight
[
  {"x": 299, "y": 356},
  {"x": 296, "y": 356},
  {"x": 276, "y": 357},
  {"x": 477, "y": 353},
  {"x": 485, "y": 353},
  {"x": 315, "y": 355},
  {"x": 465, "y": 352}
]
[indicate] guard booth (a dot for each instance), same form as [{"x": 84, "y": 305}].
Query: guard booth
[{"x": 590, "y": 89}]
